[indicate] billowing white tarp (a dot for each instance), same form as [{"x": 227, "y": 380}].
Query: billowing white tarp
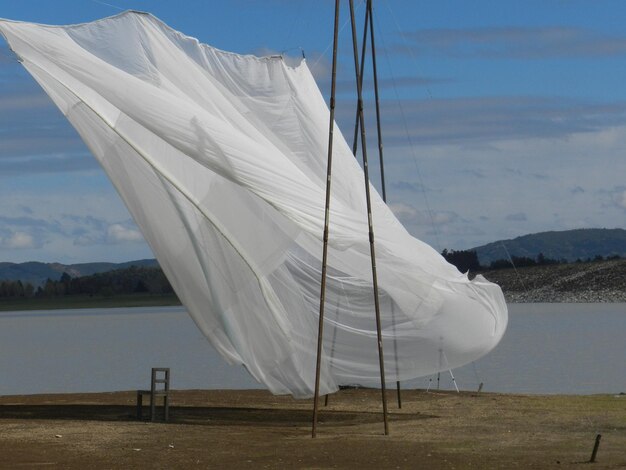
[{"x": 221, "y": 160}]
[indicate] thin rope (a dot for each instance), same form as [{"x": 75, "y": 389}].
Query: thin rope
[
  {"x": 508, "y": 255},
  {"x": 295, "y": 21},
  {"x": 294, "y": 48},
  {"x": 547, "y": 342},
  {"x": 413, "y": 153},
  {"x": 345, "y": 23},
  {"x": 109, "y": 5},
  {"x": 410, "y": 52},
  {"x": 405, "y": 42}
]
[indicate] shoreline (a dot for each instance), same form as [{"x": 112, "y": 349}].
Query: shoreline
[
  {"x": 593, "y": 282},
  {"x": 585, "y": 298},
  {"x": 589, "y": 282},
  {"x": 254, "y": 429},
  {"x": 83, "y": 301},
  {"x": 171, "y": 301}
]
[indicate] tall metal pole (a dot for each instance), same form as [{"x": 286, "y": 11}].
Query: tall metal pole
[
  {"x": 369, "y": 218},
  {"x": 370, "y": 14},
  {"x": 331, "y": 126}
]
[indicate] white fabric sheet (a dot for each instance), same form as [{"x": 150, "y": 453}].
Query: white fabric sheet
[{"x": 221, "y": 160}]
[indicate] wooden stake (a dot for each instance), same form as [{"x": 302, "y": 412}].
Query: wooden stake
[{"x": 595, "y": 449}]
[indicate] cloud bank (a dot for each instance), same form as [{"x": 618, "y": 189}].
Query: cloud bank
[{"x": 550, "y": 42}]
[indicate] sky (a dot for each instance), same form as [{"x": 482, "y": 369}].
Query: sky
[{"x": 500, "y": 118}]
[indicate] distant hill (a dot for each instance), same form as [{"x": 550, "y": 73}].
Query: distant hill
[
  {"x": 37, "y": 273},
  {"x": 569, "y": 244}
]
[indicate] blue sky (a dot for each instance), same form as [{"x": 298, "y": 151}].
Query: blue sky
[{"x": 501, "y": 118}]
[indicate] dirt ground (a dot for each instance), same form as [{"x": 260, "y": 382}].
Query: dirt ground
[{"x": 253, "y": 429}]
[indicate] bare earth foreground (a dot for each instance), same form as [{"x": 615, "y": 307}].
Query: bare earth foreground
[{"x": 253, "y": 429}]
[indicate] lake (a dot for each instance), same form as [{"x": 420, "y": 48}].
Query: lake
[{"x": 548, "y": 348}]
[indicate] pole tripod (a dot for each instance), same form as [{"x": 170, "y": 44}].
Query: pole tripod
[
  {"x": 369, "y": 25},
  {"x": 369, "y": 217}
]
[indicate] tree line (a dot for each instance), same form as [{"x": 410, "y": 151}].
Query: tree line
[
  {"x": 152, "y": 280},
  {"x": 132, "y": 280},
  {"x": 467, "y": 260}
]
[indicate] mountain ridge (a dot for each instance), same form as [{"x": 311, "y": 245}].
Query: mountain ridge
[
  {"x": 569, "y": 245},
  {"x": 36, "y": 273}
]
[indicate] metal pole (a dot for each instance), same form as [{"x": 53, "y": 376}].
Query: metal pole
[
  {"x": 369, "y": 220},
  {"x": 370, "y": 13},
  {"x": 331, "y": 126}
]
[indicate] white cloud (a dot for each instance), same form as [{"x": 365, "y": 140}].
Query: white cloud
[
  {"x": 86, "y": 240},
  {"x": 444, "y": 217},
  {"x": 118, "y": 233},
  {"x": 489, "y": 120},
  {"x": 517, "y": 217},
  {"x": 516, "y": 42},
  {"x": 320, "y": 67},
  {"x": 580, "y": 178},
  {"x": 18, "y": 241},
  {"x": 619, "y": 197},
  {"x": 409, "y": 215},
  {"x": 69, "y": 223},
  {"x": 402, "y": 210}
]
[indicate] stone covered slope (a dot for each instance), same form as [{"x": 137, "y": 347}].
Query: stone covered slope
[{"x": 601, "y": 281}]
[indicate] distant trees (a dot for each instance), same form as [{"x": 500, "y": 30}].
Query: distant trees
[
  {"x": 467, "y": 260},
  {"x": 147, "y": 280},
  {"x": 524, "y": 261},
  {"x": 151, "y": 280},
  {"x": 464, "y": 260},
  {"x": 15, "y": 289},
  {"x": 120, "y": 281}
]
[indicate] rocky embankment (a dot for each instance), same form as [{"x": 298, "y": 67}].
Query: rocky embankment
[{"x": 602, "y": 281}]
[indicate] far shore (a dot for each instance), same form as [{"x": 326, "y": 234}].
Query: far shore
[
  {"x": 139, "y": 300},
  {"x": 67, "y": 302},
  {"x": 592, "y": 282},
  {"x": 254, "y": 429}
]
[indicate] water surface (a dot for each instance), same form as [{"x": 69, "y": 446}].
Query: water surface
[
  {"x": 88, "y": 350},
  {"x": 552, "y": 348},
  {"x": 548, "y": 348}
]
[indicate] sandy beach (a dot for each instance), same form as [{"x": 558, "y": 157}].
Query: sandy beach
[{"x": 253, "y": 429}]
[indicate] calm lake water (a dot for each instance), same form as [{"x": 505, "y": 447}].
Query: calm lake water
[{"x": 548, "y": 348}]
